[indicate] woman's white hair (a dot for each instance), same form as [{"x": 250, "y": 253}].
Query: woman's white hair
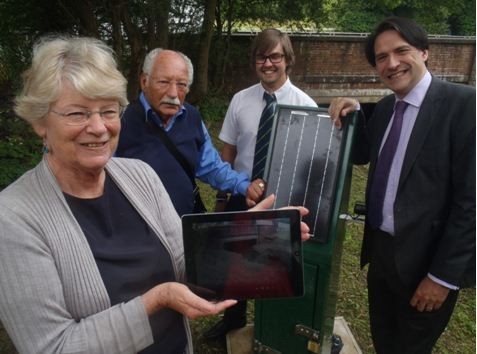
[
  {"x": 87, "y": 64},
  {"x": 151, "y": 56}
]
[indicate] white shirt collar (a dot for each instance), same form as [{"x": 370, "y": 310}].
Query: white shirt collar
[
  {"x": 418, "y": 93},
  {"x": 281, "y": 91}
]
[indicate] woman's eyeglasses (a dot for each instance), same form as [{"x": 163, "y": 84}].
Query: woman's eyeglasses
[{"x": 81, "y": 117}]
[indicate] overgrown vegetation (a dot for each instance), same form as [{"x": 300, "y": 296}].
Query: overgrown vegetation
[
  {"x": 213, "y": 108},
  {"x": 201, "y": 29},
  {"x": 20, "y": 149}
]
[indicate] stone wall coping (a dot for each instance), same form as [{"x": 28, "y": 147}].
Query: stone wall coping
[{"x": 354, "y": 36}]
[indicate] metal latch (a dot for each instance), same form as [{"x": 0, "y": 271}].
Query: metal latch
[
  {"x": 260, "y": 348},
  {"x": 312, "y": 334}
]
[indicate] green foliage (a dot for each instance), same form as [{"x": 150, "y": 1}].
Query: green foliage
[
  {"x": 256, "y": 14},
  {"x": 17, "y": 155},
  {"x": 462, "y": 20},
  {"x": 138, "y": 25},
  {"x": 357, "y": 21},
  {"x": 213, "y": 107},
  {"x": 21, "y": 23},
  {"x": 20, "y": 148},
  {"x": 456, "y": 17},
  {"x": 355, "y": 16}
]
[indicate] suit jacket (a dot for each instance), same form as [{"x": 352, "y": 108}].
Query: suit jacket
[{"x": 434, "y": 210}]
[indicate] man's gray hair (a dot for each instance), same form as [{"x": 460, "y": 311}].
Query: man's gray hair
[{"x": 151, "y": 56}]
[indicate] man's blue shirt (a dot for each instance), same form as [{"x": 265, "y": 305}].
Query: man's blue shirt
[{"x": 210, "y": 168}]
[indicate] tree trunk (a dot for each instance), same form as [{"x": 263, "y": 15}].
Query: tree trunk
[
  {"x": 157, "y": 24},
  {"x": 230, "y": 12},
  {"x": 137, "y": 52},
  {"x": 81, "y": 13},
  {"x": 85, "y": 13},
  {"x": 218, "y": 46},
  {"x": 201, "y": 77},
  {"x": 163, "y": 24},
  {"x": 116, "y": 29}
]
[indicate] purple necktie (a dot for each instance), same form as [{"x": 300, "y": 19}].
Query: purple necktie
[{"x": 383, "y": 166}]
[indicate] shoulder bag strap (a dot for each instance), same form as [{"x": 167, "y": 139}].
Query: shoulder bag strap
[{"x": 175, "y": 152}]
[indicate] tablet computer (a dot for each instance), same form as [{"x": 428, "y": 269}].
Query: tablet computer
[{"x": 244, "y": 255}]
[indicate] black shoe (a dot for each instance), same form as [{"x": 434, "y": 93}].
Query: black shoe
[{"x": 220, "y": 329}]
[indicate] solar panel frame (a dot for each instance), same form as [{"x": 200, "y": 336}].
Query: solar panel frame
[{"x": 303, "y": 162}]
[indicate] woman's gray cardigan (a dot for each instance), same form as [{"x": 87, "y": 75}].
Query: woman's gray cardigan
[{"x": 52, "y": 297}]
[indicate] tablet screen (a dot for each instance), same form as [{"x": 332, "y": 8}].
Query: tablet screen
[{"x": 244, "y": 255}]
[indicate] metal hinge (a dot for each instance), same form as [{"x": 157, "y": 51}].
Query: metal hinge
[
  {"x": 260, "y": 348},
  {"x": 307, "y": 332},
  {"x": 312, "y": 334}
]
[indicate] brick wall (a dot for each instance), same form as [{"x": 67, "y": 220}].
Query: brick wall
[{"x": 330, "y": 65}]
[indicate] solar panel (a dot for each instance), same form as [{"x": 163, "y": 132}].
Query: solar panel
[{"x": 302, "y": 163}]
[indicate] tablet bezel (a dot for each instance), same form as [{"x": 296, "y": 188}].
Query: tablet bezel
[{"x": 192, "y": 246}]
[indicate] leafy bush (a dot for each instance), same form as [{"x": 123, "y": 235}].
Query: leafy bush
[
  {"x": 20, "y": 148},
  {"x": 17, "y": 155},
  {"x": 213, "y": 107}
]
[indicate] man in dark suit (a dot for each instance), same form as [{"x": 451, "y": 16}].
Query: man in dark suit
[{"x": 419, "y": 236}]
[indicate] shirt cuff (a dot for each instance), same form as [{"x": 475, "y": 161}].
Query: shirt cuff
[
  {"x": 441, "y": 282},
  {"x": 242, "y": 188}
]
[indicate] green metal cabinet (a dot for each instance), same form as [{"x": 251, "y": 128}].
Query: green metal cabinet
[{"x": 305, "y": 324}]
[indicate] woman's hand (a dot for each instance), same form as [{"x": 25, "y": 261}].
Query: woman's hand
[
  {"x": 180, "y": 298},
  {"x": 267, "y": 203}
]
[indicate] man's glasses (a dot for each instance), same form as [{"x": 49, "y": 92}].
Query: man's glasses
[
  {"x": 274, "y": 58},
  {"x": 164, "y": 84},
  {"x": 81, "y": 117}
]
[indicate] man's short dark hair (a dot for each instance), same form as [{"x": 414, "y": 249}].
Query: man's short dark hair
[
  {"x": 269, "y": 39},
  {"x": 409, "y": 30}
]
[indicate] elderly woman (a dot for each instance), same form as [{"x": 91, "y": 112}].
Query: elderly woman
[
  {"x": 86, "y": 239},
  {"x": 91, "y": 247}
]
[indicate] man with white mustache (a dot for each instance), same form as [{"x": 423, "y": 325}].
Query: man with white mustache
[
  {"x": 162, "y": 110},
  {"x": 272, "y": 58}
]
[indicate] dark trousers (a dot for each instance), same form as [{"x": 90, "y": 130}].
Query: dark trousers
[
  {"x": 236, "y": 316},
  {"x": 236, "y": 203},
  {"x": 396, "y": 326}
]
